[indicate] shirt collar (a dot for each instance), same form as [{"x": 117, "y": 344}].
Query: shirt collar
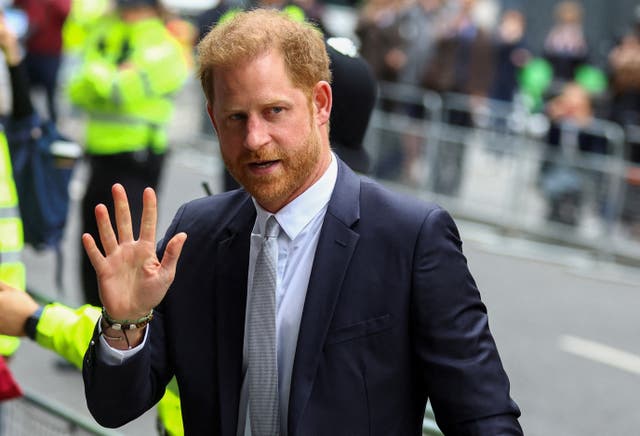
[{"x": 295, "y": 216}]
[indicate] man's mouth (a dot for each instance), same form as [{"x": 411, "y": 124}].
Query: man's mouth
[{"x": 263, "y": 164}]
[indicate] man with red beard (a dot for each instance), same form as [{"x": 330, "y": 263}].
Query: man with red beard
[{"x": 310, "y": 302}]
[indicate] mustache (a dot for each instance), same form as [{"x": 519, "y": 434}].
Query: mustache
[{"x": 261, "y": 156}]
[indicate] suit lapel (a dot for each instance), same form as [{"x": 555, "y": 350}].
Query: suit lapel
[
  {"x": 231, "y": 296},
  {"x": 333, "y": 255}
]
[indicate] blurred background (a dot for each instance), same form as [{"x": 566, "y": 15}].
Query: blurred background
[{"x": 521, "y": 118}]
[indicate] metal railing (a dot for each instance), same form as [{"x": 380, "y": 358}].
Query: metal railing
[
  {"x": 34, "y": 414},
  {"x": 487, "y": 161}
]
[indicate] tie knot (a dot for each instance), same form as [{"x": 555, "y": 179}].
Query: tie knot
[{"x": 271, "y": 227}]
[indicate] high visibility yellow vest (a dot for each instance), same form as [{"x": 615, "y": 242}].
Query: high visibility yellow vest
[
  {"x": 170, "y": 410},
  {"x": 128, "y": 75},
  {"x": 12, "y": 269}
]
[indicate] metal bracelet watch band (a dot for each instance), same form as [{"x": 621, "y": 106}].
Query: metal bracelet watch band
[{"x": 31, "y": 324}]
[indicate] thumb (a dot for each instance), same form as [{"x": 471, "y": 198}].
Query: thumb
[
  {"x": 172, "y": 254},
  {"x": 5, "y": 286}
]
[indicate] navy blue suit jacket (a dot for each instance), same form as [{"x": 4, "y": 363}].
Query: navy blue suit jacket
[{"x": 392, "y": 317}]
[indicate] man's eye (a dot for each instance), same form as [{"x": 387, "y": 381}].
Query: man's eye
[
  {"x": 277, "y": 109},
  {"x": 237, "y": 117}
]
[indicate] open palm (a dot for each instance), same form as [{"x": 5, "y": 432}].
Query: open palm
[{"x": 131, "y": 279}]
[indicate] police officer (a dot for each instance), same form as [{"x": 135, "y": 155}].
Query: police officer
[{"x": 130, "y": 68}]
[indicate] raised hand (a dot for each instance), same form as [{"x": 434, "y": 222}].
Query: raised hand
[{"x": 131, "y": 279}]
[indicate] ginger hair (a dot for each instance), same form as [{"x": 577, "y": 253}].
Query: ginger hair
[{"x": 251, "y": 34}]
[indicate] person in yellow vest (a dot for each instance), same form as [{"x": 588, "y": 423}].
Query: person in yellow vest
[
  {"x": 12, "y": 269},
  {"x": 67, "y": 331},
  {"x": 130, "y": 69}
]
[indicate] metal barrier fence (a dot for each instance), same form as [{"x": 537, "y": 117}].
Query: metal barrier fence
[
  {"x": 34, "y": 414},
  {"x": 493, "y": 162}
]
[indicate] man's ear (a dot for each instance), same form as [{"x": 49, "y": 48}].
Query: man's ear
[
  {"x": 210, "y": 113},
  {"x": 322, "y": 100}
]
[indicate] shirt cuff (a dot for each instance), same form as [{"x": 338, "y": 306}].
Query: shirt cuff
[{"x": 112, "y": 356}]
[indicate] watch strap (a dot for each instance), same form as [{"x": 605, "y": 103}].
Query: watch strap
[{"x": 31, "y": 325}]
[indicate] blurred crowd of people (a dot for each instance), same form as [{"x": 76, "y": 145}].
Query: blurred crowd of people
[{"x": 476, "y": 49}]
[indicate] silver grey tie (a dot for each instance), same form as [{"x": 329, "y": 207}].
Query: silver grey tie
[{"x": 264, "y": 410}]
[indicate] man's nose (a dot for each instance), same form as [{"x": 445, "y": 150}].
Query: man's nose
[{"x": 257, "y": 134}]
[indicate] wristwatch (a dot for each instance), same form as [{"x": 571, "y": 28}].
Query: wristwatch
[{"x": 31, "y": 324}]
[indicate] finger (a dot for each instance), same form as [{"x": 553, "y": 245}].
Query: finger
[
  {"x": 93, "y": 252},
  {"x": 149, "y": 216},
  {"x": 105, "y": 229},
  {"x": 123, "y": 213},
  {"x": 171, "y": 255}
]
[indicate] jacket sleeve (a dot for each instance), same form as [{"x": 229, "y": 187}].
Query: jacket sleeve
[
  {"x": 459, "y": 360},
  {"x": 118, "y": 394},
  {"x": 91, "y": 86},
  {"x": 67, "y": 332}
]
